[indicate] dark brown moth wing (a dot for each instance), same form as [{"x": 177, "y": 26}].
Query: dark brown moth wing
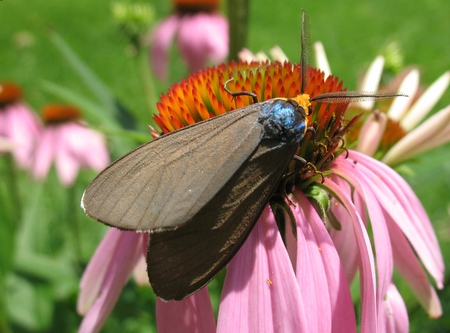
[
  {"x": 165, "y": 182},
  {"x": 182, "y": 260}
]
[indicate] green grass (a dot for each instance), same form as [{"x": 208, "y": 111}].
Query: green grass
[{"x": 353, "y": 33}]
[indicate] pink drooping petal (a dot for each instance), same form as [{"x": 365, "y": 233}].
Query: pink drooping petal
[
  {"x": 344, "y": 239},
  {"x": 191, "y": 315},
  {"x": 394, "y": 317},
  {"x": 410, "y": 268},
  {"x": 140, "y": 272},
  {"x": 44, "y": 153},
  {"x": 401, "y": 203},
  {"x": 162, "y": 36},
  {"x": 203, "y": 37},
  {"x": 364, "y": 183},
  {"x": 260, "y": 292},
  {"x": 367, "y": 264},
  {"x": 119, "y": 258},
  {"x": 94, "y": 274},
  {"x": 322, "y": 281}
]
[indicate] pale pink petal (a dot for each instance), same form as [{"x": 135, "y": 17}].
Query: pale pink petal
[
  {"x": 203, "y": 37},
  {"x": 246, "y": 55},
  {"x": 371, "y": 133},
  {"x": 370, "y": 82},
  {"x": 162, "y": 36},
  {"x": 121, "y": 262},
  {"x": 395, "y": 314},
  {"x": 260, "y": 292},
  {"x": 367, "y": 264},
  {"x": 323, "y": 284},
  {"x": 191, "y": 315},
  {"x": 277, "y": 54},
  {"x": 400, "y": 105},
  {"x": 426, "y": 102},
  {"x": 425, "y": 137}
]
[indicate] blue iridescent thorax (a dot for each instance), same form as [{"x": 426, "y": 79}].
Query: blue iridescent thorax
[{"x": 284, "y": 120}]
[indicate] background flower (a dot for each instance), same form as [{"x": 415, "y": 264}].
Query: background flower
[
  {"x": 18, "y": 122},
  {"x": 69, "y": 143},
  {"x": 201, "y": 34}
]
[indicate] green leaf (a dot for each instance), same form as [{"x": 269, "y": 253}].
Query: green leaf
[
  {"x": 100, "y": 90},
  {"x": 30, "y": 305}
]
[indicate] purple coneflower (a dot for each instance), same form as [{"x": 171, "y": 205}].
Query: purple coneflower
[
  {"x": 67, "y": 141},
  {"x": 297, "y": 280},
  {"x": 18, "y": 123},
  {"x": 397, "y": 131},
  {"x": 201, "y": 33}
]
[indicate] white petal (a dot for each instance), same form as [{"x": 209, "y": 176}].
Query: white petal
[
  {"x": 321, "y": 59},
  {"x": 277, "y": 54},
  {"x": 419, "y": 140},
  {"x": 426, "y": 102},
  {"x": 371, "y": 82},
  {"x": 401, "y": 104}
]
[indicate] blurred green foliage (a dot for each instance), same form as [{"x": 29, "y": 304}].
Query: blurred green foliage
[{"x": 51, "y": 239}]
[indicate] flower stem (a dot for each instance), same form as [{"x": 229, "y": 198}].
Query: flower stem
[
  {"x": 238, "y": 22},
  {"x": 147, "y": 82},
  {"x": 9, "y": 218}
]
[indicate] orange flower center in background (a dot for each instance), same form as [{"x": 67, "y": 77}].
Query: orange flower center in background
[
  {"x": 9, "y": 93},
  {"x": 58, "y": 113},
  {"x": 195, "y": 6}
]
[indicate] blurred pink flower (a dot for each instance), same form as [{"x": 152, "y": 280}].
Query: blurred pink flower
[
  {"x": 201, "y": 33},
  {"x": 69, "y": 143},
  {"x": 18, "y": 123}
]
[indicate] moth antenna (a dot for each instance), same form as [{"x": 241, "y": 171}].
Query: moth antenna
[
  {"x": 305, "y": 52},
  {"x": 354, "y": 96}
]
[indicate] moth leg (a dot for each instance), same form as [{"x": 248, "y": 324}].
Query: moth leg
[
  {"x": 240, "y": 93},
  {"x": 341, "y": 140}
]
